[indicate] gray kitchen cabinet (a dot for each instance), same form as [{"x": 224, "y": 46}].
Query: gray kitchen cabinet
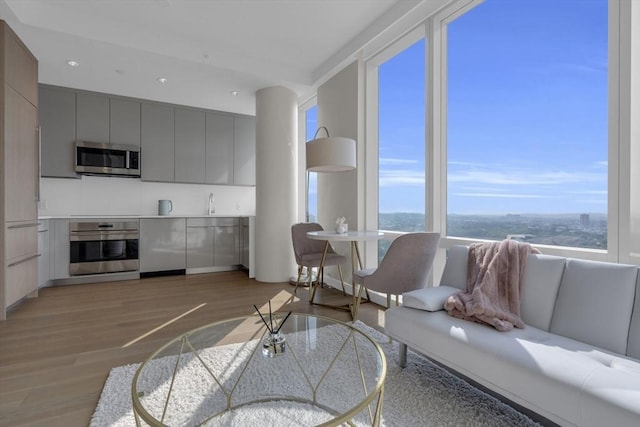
[
  {"x": 200, "y": 242},
  {"x": 219, "y": 149},
  {"x": 43, "y": 251},
  {"x": 244, "y": 146},
  {"x": 162, "y": 244},
  {"x": 124, "y": 121},
  {"x": 157, "y": 142},
  {"x": 92, "y": 117},
  {"x": 57, "y": 112},
  {"x": 60, "y": 249},
  {"x": 226, "y": 250},
  {"x": 213, "y": 243},
  {"x": 244, "y": 246},
  {"x": 190, "y": 158}
]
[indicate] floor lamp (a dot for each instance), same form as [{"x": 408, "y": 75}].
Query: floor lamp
[{"x": 330, "y": 154}]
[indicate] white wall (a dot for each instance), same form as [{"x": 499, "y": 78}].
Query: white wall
[
  {"x": 338, "y": 108},
  {"x": 92, "y": 195},
  {"x": 338, "y": 111}
]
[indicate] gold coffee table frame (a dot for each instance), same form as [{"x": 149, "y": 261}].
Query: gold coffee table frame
[{"x": 367, "y": 391}]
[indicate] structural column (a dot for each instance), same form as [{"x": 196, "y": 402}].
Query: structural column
[{"x": 276, "y": 193}]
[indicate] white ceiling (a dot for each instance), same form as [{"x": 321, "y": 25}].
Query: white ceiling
[{"x": 204, "y": 48}]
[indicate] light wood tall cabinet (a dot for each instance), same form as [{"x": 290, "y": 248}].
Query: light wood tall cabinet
[{"x": 19, "y": 176}]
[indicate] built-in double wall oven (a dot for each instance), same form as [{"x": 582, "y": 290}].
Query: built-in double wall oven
[{"x": 103, "y": 246}]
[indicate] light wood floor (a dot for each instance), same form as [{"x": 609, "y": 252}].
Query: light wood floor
[{"x": 56, "y": 350}]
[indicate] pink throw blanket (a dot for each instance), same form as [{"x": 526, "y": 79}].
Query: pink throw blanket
[{"x": 495, "y": 273}]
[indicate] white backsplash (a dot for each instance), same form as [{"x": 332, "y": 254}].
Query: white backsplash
[{"x": 92, "y": 195}]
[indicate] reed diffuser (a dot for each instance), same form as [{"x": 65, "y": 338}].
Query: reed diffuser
[{"x": 274, "y": 343}]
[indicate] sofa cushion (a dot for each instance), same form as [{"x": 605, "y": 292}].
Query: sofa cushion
[
  {"x": 611, "y": 389},
  {"x": 542, "y": 275},
  {"x": 429, "y": 299},
  {"x": 530, "y": 366},
  {"x": 633, "y": 345},
  {"x": 595, "y": 302},
  {"x": 455, "y": 269}
]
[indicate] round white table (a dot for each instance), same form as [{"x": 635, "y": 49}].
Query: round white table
[{"x": 353, "y": 237}]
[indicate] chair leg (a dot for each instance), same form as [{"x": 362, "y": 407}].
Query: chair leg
[
  {"x": 298, "y": 279},
  {"x": 344, "y": 292},
  {"x": 313, "y": 288},
  {"x": 357, "y": 306}
]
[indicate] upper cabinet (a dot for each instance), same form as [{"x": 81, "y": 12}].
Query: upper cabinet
[
  {"x": 244, "y": 149},
  {"x": 58, "y": 132},
  {"x": 92, "y": 117},
  {"x": 124, "y": 121},
  {"x": 190, "y": 145},
  {"x": 219, "y": 149},
  {"x": 157, "y": 151},
  {"x": 177, "y": 144}
]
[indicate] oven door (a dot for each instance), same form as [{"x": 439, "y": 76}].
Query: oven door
[{"x": 103, "y": 252}]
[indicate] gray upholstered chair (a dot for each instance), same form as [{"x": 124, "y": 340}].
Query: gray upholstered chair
[
  {"x": 405, "y": 267},
  {"x": 308, "y": 253}
]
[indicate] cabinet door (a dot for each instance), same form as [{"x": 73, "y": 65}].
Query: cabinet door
[
  {"x": 58, "y": 132},
  {"x": 227, "y": 246},
  {"x": 20, "y": 158},
  {"x": 43, "y": 250},
  {"x": 60, "y": 249},
  {"x": 124, "y": 122},
  {"x": 189, "y": 146},
  {"x": 21, "y": 279},
  {"x": 244, "y": 145},
  {"x": 163, "y": 244},
  {"x": 219, "y": 149},
  {"x": 21, "y": 260},
  {"x": 157, "y": 143},
  {"x": 200, "y": 241},
  {"x": 21, "y": 72},
  {"x": 92, "y": 117}
]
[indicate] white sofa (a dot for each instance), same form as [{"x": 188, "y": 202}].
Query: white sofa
[{"x": 577, "y": 361}]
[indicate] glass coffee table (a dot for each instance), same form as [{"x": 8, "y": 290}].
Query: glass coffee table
[{"x": 325, "y": 372}]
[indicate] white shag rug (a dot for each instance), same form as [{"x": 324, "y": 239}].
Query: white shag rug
[{"x": 422, "y": 394}]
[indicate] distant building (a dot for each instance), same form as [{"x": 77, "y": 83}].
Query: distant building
[
  {"x": 520, "y": 237},
  {"x": 584, "y": 220}
]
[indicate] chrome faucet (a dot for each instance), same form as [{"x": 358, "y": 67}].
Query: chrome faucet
[{"x": 212, "y": 208}]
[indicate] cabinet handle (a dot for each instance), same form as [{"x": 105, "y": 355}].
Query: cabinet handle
[
  {"x": 39, "y": 169},
  {"x": 31, "y": 224},
  {"x": 29, "y": 258}
]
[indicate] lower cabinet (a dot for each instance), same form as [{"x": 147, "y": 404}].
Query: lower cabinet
[
  {"x": 162, "y": 244},
  {"x": 43, "y": 249},
  {"x": 21, "y": 261},
  {"x": 212, "y": 243},
  {"x": 60, "y": 248}
]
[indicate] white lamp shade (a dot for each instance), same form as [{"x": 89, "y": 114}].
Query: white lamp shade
[{"x": 333, "y": 154}]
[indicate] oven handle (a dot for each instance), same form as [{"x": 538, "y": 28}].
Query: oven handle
[{"x": 75, "y": 236}]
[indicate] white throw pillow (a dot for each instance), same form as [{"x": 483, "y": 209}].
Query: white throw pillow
[{"x": 429, "y": 299}]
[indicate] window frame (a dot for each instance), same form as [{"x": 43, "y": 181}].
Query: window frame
[{"x": 438, "y": 136}]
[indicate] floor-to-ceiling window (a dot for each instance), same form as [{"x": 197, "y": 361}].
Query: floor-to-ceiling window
[
  {"x": 527, "y": 122},
  {"x": 311, "y": 124},
  {"x": 401, "y": 140}
]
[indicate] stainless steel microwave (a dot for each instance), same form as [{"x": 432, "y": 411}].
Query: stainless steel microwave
[{"x": 94, "y": 158}]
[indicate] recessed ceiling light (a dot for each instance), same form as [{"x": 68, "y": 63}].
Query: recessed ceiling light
[
  {"x": 162, "y": 80},
  {"x": 72, "y": 63},
  {"x": 234, "y": 92}
]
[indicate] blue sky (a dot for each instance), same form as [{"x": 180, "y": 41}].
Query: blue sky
[{"x": 527, "y": 112}]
